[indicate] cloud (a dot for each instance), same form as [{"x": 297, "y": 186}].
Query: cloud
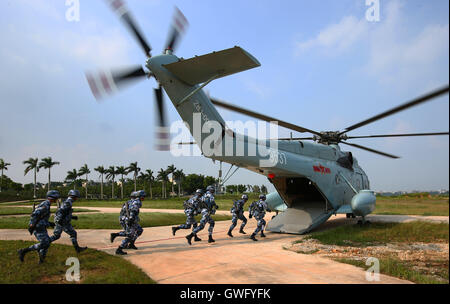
[
  {"x": 397, "y": 53},
  {"x": 136, "y": 149},
  {"x": 336, "y": 37}
]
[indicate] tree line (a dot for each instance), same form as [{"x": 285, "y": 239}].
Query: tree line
[{"x": 157, "y": 184}]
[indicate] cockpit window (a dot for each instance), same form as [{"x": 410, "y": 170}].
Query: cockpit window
[{"x": 346, "y": 161}]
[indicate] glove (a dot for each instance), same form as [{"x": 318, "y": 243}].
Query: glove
[
  {"x": 31, "y": 229},
  {"x": 74, "y": 217},
  {"x": 217, "y": 207},
  {"x": 51, "y": 224},
  {"x": 250, "y": 216}
]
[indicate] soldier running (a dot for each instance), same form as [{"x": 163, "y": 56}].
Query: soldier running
[
  {"x": 63, "y": 218},
  {"x": 132, "y": 222},
  {"x": 258, "y": 210},
  {"x": 38, "y": 225},
  {"x": 208, "y": 207},
  {"x": 123, "y": 217},
  {"x": 238, "y": 213},
  {"x": 191, "y": 209}
]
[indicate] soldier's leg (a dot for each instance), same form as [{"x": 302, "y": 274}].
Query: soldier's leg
[
  {"x": 263, "y": 225},
  {"x": 244, "y": 222},
  {"x": 233, "y": 224},
  {"x": 44, "y": 244},
  {"x": 73, "y": 237},
  {"x": 258, "y": 229},
  {"x": 210, "y": 230},
  {"x": 189, "y": 220},
  {"x": 56, "y": 233},
  {"x": 197, "y": 229},
  {"x": 39, "y": 236}
]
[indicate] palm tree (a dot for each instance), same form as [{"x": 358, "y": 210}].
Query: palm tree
[
  {"x": 110, "y": 175},
  {"x": 179, "y": 174},
  {"x": 135, "y": 169},
  {"x": 32, "y": 165},
  {"x": 48, "y": 163},
  {"x": 101, "y": 170},
  {"x": 85, "y": 171},
  {"x": 170, "y": 170},
  {"x": 122, "y": 171},
  {"x": 3, "y": 166},
  {"x": 162, "y": 176},
  {"x": 72, "y": 176},
  {"x": 148, "y": 175}
]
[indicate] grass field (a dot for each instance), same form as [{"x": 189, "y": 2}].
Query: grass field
[
  {"x": 96, "y": 267},
  {"x": 424, "y": 269},
  {"x": 110, "y": 220},
  {"x": 28, "y": 210},
  {"x": 425, "y": 205},
  {"x": 412, "y": 205},
  {"x": 382, "y": 233}
]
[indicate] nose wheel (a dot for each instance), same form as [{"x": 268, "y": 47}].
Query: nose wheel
[{"x": 363, "y": 222}]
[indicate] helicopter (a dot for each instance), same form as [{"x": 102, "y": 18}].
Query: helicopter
[{"x": 312, "y": 176}]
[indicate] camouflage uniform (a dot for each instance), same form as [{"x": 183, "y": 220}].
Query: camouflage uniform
[
  {"x": 123, "y": 218},
  {"x": 191, "y": 209},
  {"x": 208, "y": 207},
  {"x": 258, "y": 211},
  {"x": 134, "y": 229},
  {"x": 63, "y": 218},
  {"x": 238, "y": 213},
  {"x": 39, "y": 219}
]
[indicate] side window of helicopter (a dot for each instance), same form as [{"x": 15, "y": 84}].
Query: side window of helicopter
[{"x": 346, "y": 161}]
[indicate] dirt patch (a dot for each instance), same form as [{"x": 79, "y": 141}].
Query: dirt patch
[{"x": 426, "y": 258}]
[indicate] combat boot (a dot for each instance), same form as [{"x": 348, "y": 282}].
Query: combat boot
[
  {"x": 196, "y": 238},
  {"x": 41, "y": 258},
  {"x": 174, "y": 230},
  {"x": 229, "y": 233},
  {"x": 189, "y": 238},
  {"x": 119, "y": 251},
  {"x": 79, "y": 249},
  {"x": 113, "y": 236},
  {"x": 132, "y": 246},
  {"x": 253, "y": 237},
  {"x": 242, "y": 231},
  {"x": 210, "y": 239},
  {"x": 22, "y": 253},
  {"x": 262, "y": 234}
]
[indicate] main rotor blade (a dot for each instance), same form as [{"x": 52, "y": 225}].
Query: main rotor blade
[
  {"x": 178, "y": 27},
  {"x": 402, "y": 107},
  {"x": 370, "y": 150},
  {"x": 293, "y": 138},
  {"x": 282, "y": 123},
  {"x": 399, "y": 135},
  {"x": 162, "y": 131},
  {"x": 104, "y": 83},
  {"x": 124, "y": 14}
]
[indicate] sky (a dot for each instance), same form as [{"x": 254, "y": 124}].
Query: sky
[{"x": 324, "y": 66}]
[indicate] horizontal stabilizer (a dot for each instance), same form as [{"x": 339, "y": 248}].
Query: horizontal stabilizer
[{"x": 216, "y": 64}]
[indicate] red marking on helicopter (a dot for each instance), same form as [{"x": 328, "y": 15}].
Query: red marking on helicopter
[{"x": 322, "y": 169}]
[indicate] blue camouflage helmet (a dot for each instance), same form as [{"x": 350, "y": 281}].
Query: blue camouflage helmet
[
  {"x": 262, "y": 197},
  {"x": 53, "y": 194},
  {"x": 134, "y": 194},
  {"x": 199, "y": 191},
  {"x": 141, "y": 193},
  {"x": 244, "y": 197},
  {"x": 74, "y": 193},
  {"x": 210, "y": 189}
]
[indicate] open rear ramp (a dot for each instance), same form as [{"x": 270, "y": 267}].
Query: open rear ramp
[{"x": 299, "y": 219}]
